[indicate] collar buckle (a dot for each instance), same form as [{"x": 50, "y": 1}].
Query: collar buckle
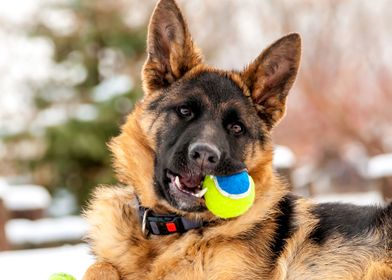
[{"x": 145, "y": 230}]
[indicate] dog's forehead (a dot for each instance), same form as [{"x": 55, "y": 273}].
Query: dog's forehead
[{"x": 215, "y": 88}]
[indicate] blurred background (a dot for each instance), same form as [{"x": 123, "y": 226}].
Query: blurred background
[{"x": 70, "y": 73}]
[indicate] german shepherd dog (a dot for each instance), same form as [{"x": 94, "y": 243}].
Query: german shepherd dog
[{"x": 196, "y": 120}]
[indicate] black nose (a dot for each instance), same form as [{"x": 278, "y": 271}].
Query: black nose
[{"x": 204, "y": 155}]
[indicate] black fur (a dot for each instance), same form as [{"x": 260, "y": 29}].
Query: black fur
[
  {"x": 285, "y": 227},
  {"x": 217, "y": 88},
  {"x": 346, "y": 220},
  {"x": 284, "y": 230},
  {"x": 154, "y": 105}
]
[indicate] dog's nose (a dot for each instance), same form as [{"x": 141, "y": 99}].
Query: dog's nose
[{"x": 204, "y": 155}]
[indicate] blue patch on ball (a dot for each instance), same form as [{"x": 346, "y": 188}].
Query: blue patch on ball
[{"x": 234, "y": 186}]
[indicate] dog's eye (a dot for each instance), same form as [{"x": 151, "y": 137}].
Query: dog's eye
[
  {"x": 184, "y": 111},
  {"x": 236, "y": 128}
]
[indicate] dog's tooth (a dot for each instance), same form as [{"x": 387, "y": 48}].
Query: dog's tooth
[
  {"x": 177, "y": 181},
  {"x": 201, "y": 193}
]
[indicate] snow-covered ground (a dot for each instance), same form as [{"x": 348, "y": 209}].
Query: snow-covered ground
[
  {"x": 22, "y": 231},
  {"x": 283, "y": 157},
  {"x": 380, "y": 166},
  {"x": 39, "y": 264},
  {"x": 24, "y": 197},
  {"x": 364, "y": 198}
]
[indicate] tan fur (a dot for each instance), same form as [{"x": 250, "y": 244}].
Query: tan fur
[
  {"x": 238, "y": 248},
  {"x": 102, "y": 270},
  {"x": 219, "y": 252},
  {"x": 379, "y": 270}
]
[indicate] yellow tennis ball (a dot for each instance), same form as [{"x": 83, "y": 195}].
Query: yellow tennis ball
[
  {"x": 229, "y": 196},
  {"x": 62, "y": 276}
]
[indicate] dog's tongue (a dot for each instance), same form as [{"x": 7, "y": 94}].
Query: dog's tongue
[{"x": 191, "y": 182}]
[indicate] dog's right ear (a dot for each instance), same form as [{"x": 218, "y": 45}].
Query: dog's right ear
[{"x": 171, "y": 51}]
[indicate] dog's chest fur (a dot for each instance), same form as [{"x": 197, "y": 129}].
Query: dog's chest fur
[
  {"x": 220, "y": 252},
  {"x": 205, "y": 253}
]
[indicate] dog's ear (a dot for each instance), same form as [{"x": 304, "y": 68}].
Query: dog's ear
[
  {"x": 171, "y": 51},
  {"x": 270, "y": 77}
]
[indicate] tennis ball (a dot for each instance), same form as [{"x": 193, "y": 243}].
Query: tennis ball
[
  {"x": 61, "y": 276},
  {"x": 229, "y": 196}
]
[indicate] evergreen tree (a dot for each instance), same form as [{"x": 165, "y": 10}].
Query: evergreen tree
[{"x": 98, "y": 62}]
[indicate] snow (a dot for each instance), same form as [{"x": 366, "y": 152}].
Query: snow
[
  {"x": 22, "y": 231},
  {"x": 63, "y": 203},
  {"x": 25, "y": 197},
  {"x": 66, "y": 26},
  {"x": 283, "y": 157},
  {"x": 85, "y": 112},
  {"x": 303, "y": 175},
  {"x": 59, "y": 114},
  {"x": 39, "y": 264},
  {"x": 19, "y": 12},
  {"x": 380, "y": 166},
  {"x": 52, "y": 116},
  {"x": 112, "y": 87},
  {"x": 24, "y": 64},
  {"x": 3, "y": 187},
  {"x": 363, "y": 198}
]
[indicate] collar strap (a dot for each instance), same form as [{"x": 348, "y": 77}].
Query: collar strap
[{"x": 159, "y": 224}]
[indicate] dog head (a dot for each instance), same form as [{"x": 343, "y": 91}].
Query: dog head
[{"x": 196, "y": 120}]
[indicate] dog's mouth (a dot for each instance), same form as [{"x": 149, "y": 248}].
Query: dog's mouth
[
  {"x": 184, "y": 191},
  {"x": 187, "y": 184}
]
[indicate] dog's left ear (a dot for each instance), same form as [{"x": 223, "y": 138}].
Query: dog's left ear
[
  {"x": 171, "y": 51},
  {"x": 270, "y": 77}
]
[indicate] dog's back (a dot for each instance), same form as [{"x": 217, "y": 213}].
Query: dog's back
[{"x": 346, "y": 242}]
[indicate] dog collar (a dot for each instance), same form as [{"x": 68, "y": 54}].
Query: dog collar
[{"x": 164, "y": 224}]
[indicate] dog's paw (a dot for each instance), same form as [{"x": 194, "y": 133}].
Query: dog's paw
[{"x": 101, "y": 271}]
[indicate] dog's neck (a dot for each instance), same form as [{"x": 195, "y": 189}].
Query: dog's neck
[{"x": 164, "y": 224}]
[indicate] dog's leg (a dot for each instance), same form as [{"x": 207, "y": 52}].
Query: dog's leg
[
  {"x": 379, "y": 271},
  {"x": 101, "y": 271}
]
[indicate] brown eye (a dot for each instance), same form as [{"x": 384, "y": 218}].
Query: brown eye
[
  {"x": 236, "y": 128},
  {"x": 184, "y": 111}
]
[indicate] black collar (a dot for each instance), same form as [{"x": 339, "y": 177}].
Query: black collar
[{"x": 159, "y": 224}]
